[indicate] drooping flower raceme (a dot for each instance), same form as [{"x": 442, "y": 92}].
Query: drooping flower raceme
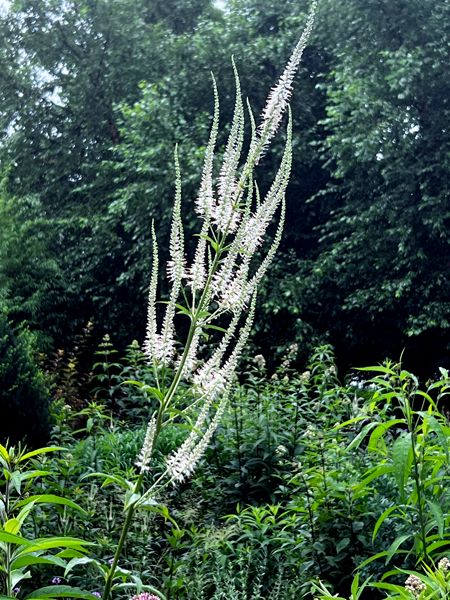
[{"x": 222, "y": 277}]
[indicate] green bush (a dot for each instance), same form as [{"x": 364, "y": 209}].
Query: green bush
[{"x": 23, "y": 398}]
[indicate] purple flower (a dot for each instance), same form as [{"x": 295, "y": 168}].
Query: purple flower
[
  {"x": 16, "y": 590},
  {"x": 96, "y": 594},
  {"x": 56, "y": 580},
  {"x": 146, "y": 596},
  {"x": 111, "y": 560}
]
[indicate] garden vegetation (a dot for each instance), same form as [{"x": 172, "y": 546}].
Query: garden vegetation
[{"x": 227, "y": 453}]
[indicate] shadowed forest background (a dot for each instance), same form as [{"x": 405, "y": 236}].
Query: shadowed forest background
[{"x": 94, "y": 95}]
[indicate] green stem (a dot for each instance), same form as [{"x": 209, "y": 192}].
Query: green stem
[
  {"x": 419, "y": 498},
  {"x": 123, "y": 535},
  {"x": 416, "y": 478}
]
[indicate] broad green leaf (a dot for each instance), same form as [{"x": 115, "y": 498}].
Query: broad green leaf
[
  {"x": 32, "y": 474},
  {"x": 60, "y": 591},
  {"x": 27, "y": 560},
  {"x": 439, "y": 431},
  {"x": 395, "y": 545},
  {"x": 130, "y": 499},
  {"x": 54, "y": 542},
  {"x": 70, "y": 553},
  {"x": 50, "y": 499},
  {"x": 40, "y": 451},
  {"x": 83, "y": 560},
  {"x": 342, "y": 544},
  {"x": 377, "y": 370},
  {"x": 361, "y": 435},
  {"x": 355, "y": 583},
  {"x": 400, "y": 452},
  {"x": 432, "y": 547},
  {"x": 4, "y": 453},
  {"x": 381, "y": 520},
  {"x": 383, "y": 470},
  {"x": 15, "y": 478},
  {"x": 436, "y": 509},
  {"x": 12, "y": 526},
  {"x": 380, "y": 431},
  {"x": 17, "y": 575},
  {"x": 394, "y": 588},
  {"x": 10, "y": 538},
  {"x": 24, "y": 512}
]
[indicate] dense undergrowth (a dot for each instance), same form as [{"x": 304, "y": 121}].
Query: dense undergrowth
[{"x": 305, "y": 479}]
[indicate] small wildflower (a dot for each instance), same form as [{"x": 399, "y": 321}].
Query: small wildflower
[
  {"x": 111, "y": 560},
  {"x": 56, "y": 580},
  {"x": 260, "y": 361},
  {"x": 146, "y": 596},
  {"x": 97, "y": 594},
  {"x": 444, "y": 564},
  {"x": 16, "y": 591},
  {"x": 414, "y": 585},
  {"x": 306, "y": 376},
  {"x": 292, "y": 350},
  {"x": 280, "y": 450},
  {"x": 286, "y": 364}
]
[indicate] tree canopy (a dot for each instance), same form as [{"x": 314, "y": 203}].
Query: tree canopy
[{"x": 96, "y": 93}]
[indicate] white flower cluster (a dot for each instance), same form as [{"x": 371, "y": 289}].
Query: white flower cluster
[
  {"x": 444, "y": 564},
  {"x": 143, "y": 460},
  {"x": 414, "y": 585},
  {"x": 222, "y": 276},
  {"x": 182, "y": 463}
]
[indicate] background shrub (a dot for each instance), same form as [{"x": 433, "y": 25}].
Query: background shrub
[{"x": 23, "y": 397}]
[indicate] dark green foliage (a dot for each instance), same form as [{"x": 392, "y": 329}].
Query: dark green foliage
[{"x": 23, "y": 398}]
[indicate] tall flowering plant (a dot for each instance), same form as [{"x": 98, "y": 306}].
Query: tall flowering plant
[{"x": 220, "y": 281}]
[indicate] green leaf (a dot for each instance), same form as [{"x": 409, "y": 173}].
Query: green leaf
[
  {"x": 51, "y": 499},
  {"x": 4, "y": 454},
  {"x": 381, "y": 520},
  {"x": 130, "y": 499},
  {"x": 395, "y": 545},
  {"x": 342, "y": 544},
  {"x": 60, "y": 591},
  {"x": 53, "y": 542},
  {"x": 27, "y": 560},
  {"x": 82, "y": 560},
  {"x": 377, "y": 370},
  {"x": 379, "y": 555},
  {"x": 394, "y": 588},
  {"x": 380, "y": 431},
  {"x": 40, "y": 451},
  {"x": 436, "y": 509},
  {"x": 437, "y": 428},
  {"x": 10, "y": 538},
  {"x": 354, "y": 588},
  {"x": 70, "y": 553},
  {"x": 16, "y": 481},
  {"x": 32, "y": 474},
  {"x": 382, "y": 470},
  {"x": 400, "y": 453},
  {"x": 361, "y": 435},
  {"x": 12, "y": 526}
]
